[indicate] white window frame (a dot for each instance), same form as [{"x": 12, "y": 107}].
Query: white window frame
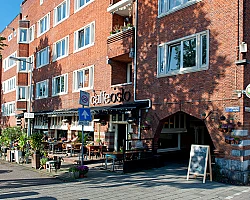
[
  {"x": 9, "y": 63},
  {"x": 20, "y": 96},
  {"x": 10, "y": 37},
  {"x": 44, "y": 84},
  {"x": 163, "y": 8},
  {"x": 66, "y": 50},
  {"x": 9, "y": 108},
  {"x": 22, "y": 63},
  {"x": 91, "y": 37},
  {"x": 78, "y": 6},
  {"x": 67, "y": 10},
  {"x": 54, "y": 92},
  {"x": 31, "y": 62},
  {"x": 76, "y": 86},
  {"x": 47, "y": 21},
  {"x": 9, "y": 85},
  {"x": 41, "y": 2},
  {"x": 39, "y": 54},
  {"x": 21, "y": 38},
  {"x": 163, "y": 56},
  {"x": 31, "y": 33}
]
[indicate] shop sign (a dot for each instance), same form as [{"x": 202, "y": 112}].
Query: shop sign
[
  {"x": 104, "y": 98},
  {"x": 232, "y": 109},
  {"x": 247, "y": 91}
]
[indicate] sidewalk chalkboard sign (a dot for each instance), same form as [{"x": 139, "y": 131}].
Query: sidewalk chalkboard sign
[{"x": 199, "y": 158}]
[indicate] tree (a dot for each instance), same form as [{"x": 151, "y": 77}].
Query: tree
[{"x": 2, "y": 44}]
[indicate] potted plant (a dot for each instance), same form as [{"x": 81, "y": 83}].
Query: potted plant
[
  {"x": 74, "y": 172},
  {"x": 36, "y": 145},
  {"x": 43, "y": 162},
  {"x": 83, "y": 170},
  {"x": 22, "y": 141}
]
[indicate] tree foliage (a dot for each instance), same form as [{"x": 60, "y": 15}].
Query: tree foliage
[{"x": 9, "y": 135}]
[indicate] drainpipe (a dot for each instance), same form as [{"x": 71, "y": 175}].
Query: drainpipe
[{"x": 135, "y": 71}]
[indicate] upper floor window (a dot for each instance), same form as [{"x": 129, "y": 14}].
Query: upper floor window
[
  {"x": 171, "y": 5},
  {"x": 23, "y": 35},
  {"x": 129, "y": 73},
  {"x": 41, "y": 2},
  {"x": 59, "y": 85},
  {"x": 43, "y": 25},
  {"x": 10, "y": 37},
  {"x": 42, "y": 89},
  {"x": 9, "y": 63},
  {"x": 79, "y": 4},
  {"x": 42, "y": 57},
  {"x": 84, "y": 37},
  {"x": 83, "y": 78},
  {"x": 31, "y": 33},
  {"x": 22, "y": 65},
  {"x": 184, "y": 55},
  {"x": 60, "y": 48},
  {"x": 8, "y": 108},
  {"x": 61, "y": 12},
  {"x": 9, "y": 85},
  {"x": 22, "y": 92}
]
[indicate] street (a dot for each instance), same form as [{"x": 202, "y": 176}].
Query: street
[{"x": 21, "y": 182}]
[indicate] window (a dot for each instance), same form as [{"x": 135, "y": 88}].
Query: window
[
  {"x": 9, "y": 85},
  {"x": 43, "y": 57},
  {"x": 61, "y": 12},
  {"x": 23, "y": 35},
  {"x": 84, "y": 37},
  {"x": 83, "y": 78},
  {"x": 42, "y": 89},
  {"x": 22, "y": 92},
  {"x": 8, "y": 108},
  {"x": 43, "y": 25},
  {"x": 31, "y": 33},
  {"x": 9, "y": 63},
  {"x": 79, "y": 4},
  {"x": 10, "y": 37},
  {"x": 30, "y": 62},
  {"x": 60, "y": 48},
  {"x": 59, "y": 85},
  {"x": 129, "y": 73},
  {"x": 172, "y": 5},
  {"x": 184, "y": 55},
  {"x": 23, "y": 65},
  {"x": 41, "y": 2}
]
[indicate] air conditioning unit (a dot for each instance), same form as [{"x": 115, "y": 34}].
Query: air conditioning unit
[{"x": 243, "y": 47}]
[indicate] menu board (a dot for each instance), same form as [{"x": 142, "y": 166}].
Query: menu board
[{"x": 199, "y": 157}]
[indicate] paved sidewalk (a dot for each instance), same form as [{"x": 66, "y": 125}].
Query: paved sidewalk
[{"x": 169, "y": 182}]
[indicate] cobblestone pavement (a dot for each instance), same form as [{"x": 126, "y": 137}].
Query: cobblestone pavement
[{"x": 169, "y": 182}]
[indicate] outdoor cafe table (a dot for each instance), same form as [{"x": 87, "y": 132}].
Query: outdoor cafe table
[{"x": 95, "y": 149}]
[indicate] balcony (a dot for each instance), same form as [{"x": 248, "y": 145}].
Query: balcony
[
  {"x": 120, "y": 45},
  {"x": 121, "y": 7}
]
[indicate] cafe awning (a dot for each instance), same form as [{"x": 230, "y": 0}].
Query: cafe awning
[{"x": 118, "y": 107}]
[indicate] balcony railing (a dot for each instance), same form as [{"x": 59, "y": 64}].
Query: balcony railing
[{"x": 129, "y": 32}]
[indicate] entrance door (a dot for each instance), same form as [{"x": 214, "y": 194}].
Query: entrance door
[{"x": 121, "y": 135}]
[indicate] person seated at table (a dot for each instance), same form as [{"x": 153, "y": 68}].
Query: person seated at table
[
  {"x": 45, "y": 138},
  {"x": 70, "y": 144}
]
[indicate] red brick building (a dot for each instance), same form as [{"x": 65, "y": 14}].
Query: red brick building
[
  {"x": 176, "y": 69},
  {"x": 192, "y": 63}
]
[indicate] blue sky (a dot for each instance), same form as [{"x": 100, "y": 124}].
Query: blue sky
[{"x": 9, "y": 10}]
